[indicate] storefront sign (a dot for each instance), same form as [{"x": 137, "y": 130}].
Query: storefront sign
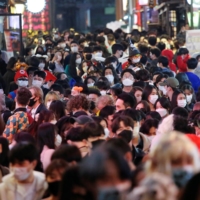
[{"x": 193, "y": 41}]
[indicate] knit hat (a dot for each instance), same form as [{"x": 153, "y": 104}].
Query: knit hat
[{"x": 20, "y": 74}]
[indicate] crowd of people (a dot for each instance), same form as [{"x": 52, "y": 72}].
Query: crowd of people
[{"x": 101, "y": 116}]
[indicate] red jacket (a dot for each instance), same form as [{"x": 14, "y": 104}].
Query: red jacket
[
  {"x": 169, "y": 54},
  {"x": 182, "y": 63}
]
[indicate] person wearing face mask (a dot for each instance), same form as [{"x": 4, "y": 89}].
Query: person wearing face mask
[
  {"x": 51, "y": 96},
  {"x": 39, "y": 78},
  {"x": 127, "y": 79},
  {"x": 117, "y": 50},
  {"x": 139, "y": 139},
  {"x": 137, "y": 92},
  {"x": 179, "y": 100},
  {"x": 90, "y": 81},
  {"x": 97, "y": 57},
  {"x": 163, "y": 107},
  {"x": 190, "y": 95},
  {"x": 168, "y": 87},
  {"x": 49, "y": 81},
  {"x": 133, "y": 59},
  {"x": 150, "y": 94},
  {"x": 21, "y": 79},
  {"x": 23, "y": 182},
  {"x": 74, "y": 49},
  {"x": 111, "y": 75},
  {"x": 35, "y": 105},
  {"x": 54, "y": 173},
  {"x": 187, "y": 158}
]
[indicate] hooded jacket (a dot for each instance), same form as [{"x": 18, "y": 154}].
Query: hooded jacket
[
  {"x": 9, "y": 188},
  {"x": 169, "y": 54}
]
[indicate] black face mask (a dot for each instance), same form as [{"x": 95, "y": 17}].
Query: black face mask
[
  {"x": 32, "y": 102},
  {"x": 88, "y": 56},
  {"x": 54, "y": 187}
]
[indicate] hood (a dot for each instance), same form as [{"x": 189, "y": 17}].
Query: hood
[{"x": 168, "y": 53}]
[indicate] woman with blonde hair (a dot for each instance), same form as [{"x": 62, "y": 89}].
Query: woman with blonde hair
[
  {"x": 51, "y": 96},
  {"x": 176, "y": 156}
]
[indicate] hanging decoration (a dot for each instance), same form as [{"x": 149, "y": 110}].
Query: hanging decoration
[{"x": 37, "y": 15}]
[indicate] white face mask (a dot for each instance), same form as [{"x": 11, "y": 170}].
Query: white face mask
[
  {"x": 90, "y": 84},
  {"x": 127, "y": 82},
  {"x": 153, "y": 99},
  {"x": 162, "y": 111},
  {"x": 98, "y": 54},
  {"x": 58, "y": 140},
  {"x": 110, "y": 78},
  {"x": 78, "y": 61},
  {"x": 23, "y": 83},
  {"x": 37, "y": 83},
  {"x": 182, "y": 103},
  {"x": 48, "y": 104},
  {"x": 106, "y": 131},
  {"x": 46, "y": 86},
  {"x": 198, "y": 64},
  {"x": 63, "y": 45},
  {"x": 41, "y": 66},
  {"x": 189, "y": 98},
  {"x": 20, "y": 173},
  {"x": 138, "y": 99},
  {"x": 103, "y": 92},
  {"x": 74, "y": 49},
  {"x": 135, "y": 60},
  {"x": 163, "y": 89},
  {"x": 151, "y": 137}
]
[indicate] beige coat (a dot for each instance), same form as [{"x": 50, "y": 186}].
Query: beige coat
[{"x": 10, "y": 190}]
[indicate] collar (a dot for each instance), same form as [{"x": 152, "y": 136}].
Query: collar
[{"x": 20, "y": 109}]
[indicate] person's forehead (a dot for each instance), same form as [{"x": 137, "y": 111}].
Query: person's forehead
[
  {"x": 119, "y": 101},
  {"x": 73, "y": 44},
  {"x": 127, "y": 74},
  {"x": 93, "y": 95},
  {"x": 37, "y": 77}
]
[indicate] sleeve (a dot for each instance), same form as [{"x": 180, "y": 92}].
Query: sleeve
[{"x": 11, "y": 126}]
